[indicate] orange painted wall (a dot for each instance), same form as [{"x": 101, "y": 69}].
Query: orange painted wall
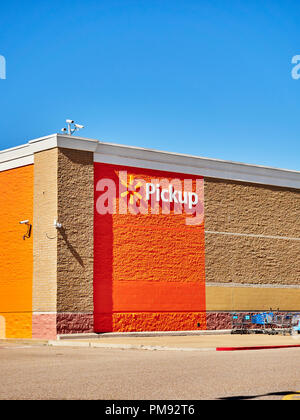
[
  {"x": 16, "y": 254},
  {"x": 149, "y": 269}
]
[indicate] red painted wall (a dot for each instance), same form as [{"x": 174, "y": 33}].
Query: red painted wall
[{"x": 149, "y": 269}]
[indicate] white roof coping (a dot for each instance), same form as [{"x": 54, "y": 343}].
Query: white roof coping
[{"x": 152, "y": 159}]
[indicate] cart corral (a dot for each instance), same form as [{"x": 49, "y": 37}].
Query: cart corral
[{"x": 266, "y": 323}]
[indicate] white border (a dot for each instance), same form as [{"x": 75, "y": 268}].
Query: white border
[
  {"x": 193, "y": 165},
  {"x": 152, "y": 159}
]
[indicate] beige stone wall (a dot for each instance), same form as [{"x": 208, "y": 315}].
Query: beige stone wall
[
  {"x": 75, "y": 238},
  {"x": 262, "y": 225},
  {"x": 252, "y": 238}
]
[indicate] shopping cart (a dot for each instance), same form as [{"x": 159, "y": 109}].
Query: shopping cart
[
  {"x": 264, "y": 322},
  {"x": 236, "y": 323},
  {"x": 296, "y": 324},
  {"x": 285, "y": 322},
  {"x": 240, "y": 323}
]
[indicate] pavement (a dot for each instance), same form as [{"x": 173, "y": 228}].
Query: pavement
[
  {"x": 156, "y": 366},
  {"x": 185, "y": 342},
  {"x": 219, "y": 341},
  {"x": 45, "y": 372}
]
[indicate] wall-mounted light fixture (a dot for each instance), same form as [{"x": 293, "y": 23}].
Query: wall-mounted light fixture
[
  {"x": 29, "y": 227},
  {"x": 56, "y": 224}
]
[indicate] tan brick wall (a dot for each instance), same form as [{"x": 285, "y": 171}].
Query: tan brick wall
[
  {"x": 75, "y": 239},
  {"x": 63, "y": 258},
  {"x": 252, "y": 298},
  {"x": 249, "y": 209},
  {"x": 44, "y": 234}
]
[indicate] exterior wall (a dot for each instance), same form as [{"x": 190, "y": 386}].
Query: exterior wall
[
  {"x": 45, "y": 244},
  {"x": 16, "y": 262},
  {"x": 252, "y": 239},
  {"x": 135, "y": 272},
  {"x": 75, "y": 253},
  {"x": 63, "y": 258},
  {"x": 149, "y": 268}
]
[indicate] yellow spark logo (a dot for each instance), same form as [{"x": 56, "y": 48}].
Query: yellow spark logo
[{"x": 131, "y": 189}]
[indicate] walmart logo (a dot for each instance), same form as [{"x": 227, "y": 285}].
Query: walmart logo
[{"x": 131, "y": 189}]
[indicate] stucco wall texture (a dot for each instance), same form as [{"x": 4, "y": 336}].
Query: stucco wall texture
[
  {"x": 268, "y": 217},
  {"x": 75, "y": 247},
  {"x": 252, "y": 239},
  {"x": 16, "y": 261},
  {"x": 149, "y": 269}
]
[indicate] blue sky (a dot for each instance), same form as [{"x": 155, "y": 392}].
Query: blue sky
[{"x": 208, "y": 78}]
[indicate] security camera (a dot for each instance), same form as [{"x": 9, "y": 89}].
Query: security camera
[
  {"x": 24, "y": 222},
  {"x": 71, "y": 129}
]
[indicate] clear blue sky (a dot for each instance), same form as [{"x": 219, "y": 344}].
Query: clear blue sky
[{"x": 204, "y": 77}]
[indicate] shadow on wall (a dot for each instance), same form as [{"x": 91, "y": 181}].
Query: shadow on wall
[
  {"x": 2, "y": 327},
  {"x": 75, "y": 254}
]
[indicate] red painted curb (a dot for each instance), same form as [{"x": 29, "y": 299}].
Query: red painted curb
[{"x": 255, "y": 347}]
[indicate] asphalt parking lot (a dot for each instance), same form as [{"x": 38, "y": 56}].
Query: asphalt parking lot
[{"x": 66, "y": 373}]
